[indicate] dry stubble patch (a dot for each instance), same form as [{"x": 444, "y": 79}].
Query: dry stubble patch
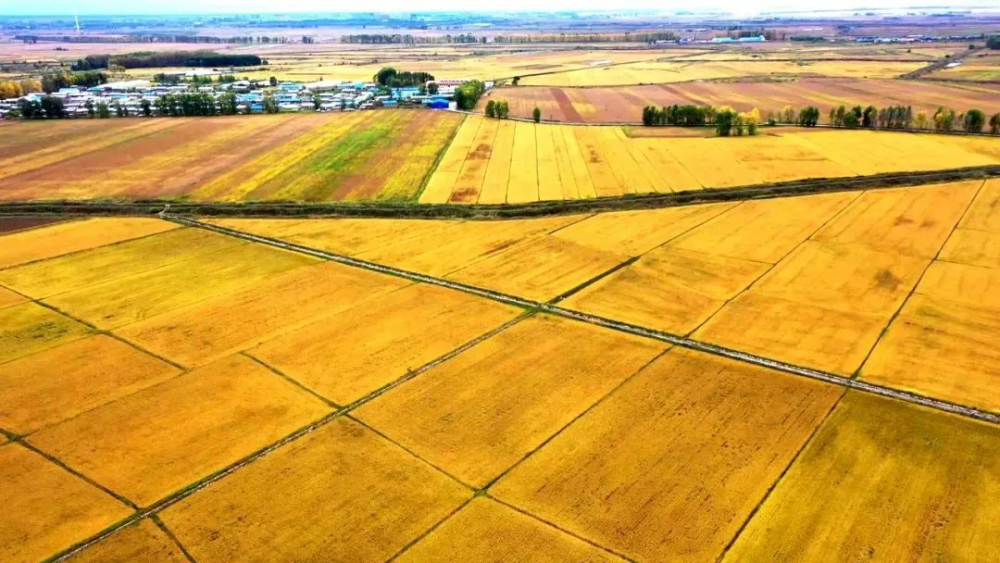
[
  {"x": 540, "y": 268},
  {"x": 73, "y": 236},
  {"x": 670, "y": 466},
  {"x": 340, "y": 494},
  {"x": 29, "y": 328},
  {"x": 105, "y": 263},
  {"x": 210, "y": 330},
  {"x": 975, "y": 248},
  {"x": 141, "y": 542},
  {"x": 765, "y": 230},
  {"x": 915, "y": 221},
  {"x": 159, "y": 440},
  {"x": 478, "y": 414},
  {"x": 62, "y": 382},
  {"x": 489, "y": 532},
  {"x": 440, "y": 253},
  {"x": 348, "y": 355},
  {"x": 636, "y": 232},
  {"x": 885, "y": 481},
  {"x": 46, "y": 508},
  {"x": 668, "y": 289},
  {"x": 144, "y": 295}
]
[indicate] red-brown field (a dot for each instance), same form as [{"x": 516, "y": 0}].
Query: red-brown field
[{"x": 624, "y": 104}]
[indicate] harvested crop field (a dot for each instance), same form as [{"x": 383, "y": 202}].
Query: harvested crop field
[
  {"x": 653, "y": 72},
  {"x": 171, "y": 391},
  {"x": 624, "y": 104},
  {"x": 516, "y": 162},
  {"x": 382, "y": 155}
]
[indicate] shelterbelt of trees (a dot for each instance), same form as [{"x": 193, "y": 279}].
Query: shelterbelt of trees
[
  {"x": 149, "y": 59},
  {"x": 898, "y": 118}
]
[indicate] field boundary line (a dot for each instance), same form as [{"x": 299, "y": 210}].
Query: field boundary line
[
  {"x": 772, "y": 265},
  {"x": 170, "y": 535},
  {"x": 415, "y": 210},
  {"x": 188, "y": 490},
  {"x": 683, "y": 341},
  {"x": 555, "y": 526},
  {"x": 485, "y": 488},
  {"x": 781, "y": 476},
  {"x": 913, "y": 290}
]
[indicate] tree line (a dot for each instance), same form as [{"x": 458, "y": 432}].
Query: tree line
[
  {"x": 903, "y": 118},
  {"x": 50, "y": 82},
  {"x": 152, "y": 38},
  {"x": 899, "y": 118},
  {"x": 391, "y": 78},
  {"x": 150, "y": 59}
]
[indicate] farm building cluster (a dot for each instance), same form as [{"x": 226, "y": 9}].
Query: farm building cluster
[{"x": 133, "y": 96}]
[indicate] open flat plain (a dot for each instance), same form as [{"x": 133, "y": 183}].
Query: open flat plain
[{"x": 547, "y": 389}]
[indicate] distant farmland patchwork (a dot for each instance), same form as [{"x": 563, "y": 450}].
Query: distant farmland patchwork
[
  {"x": 339, "y": 157},
  {"x": 472, "y": 422},
  {"x": 625, "y": 103},
  {"x": 496, "y": 161}
]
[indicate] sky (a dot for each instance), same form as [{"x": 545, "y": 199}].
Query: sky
[{"x": 104, "y": 7}]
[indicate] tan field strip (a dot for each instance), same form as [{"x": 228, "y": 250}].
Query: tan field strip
[
  {"x": 141, "y": 542},
  {"x": 526, "y": 383},
  {"x": 627, "y": 474},
  {"x": 498, "y": 167},
  {"x": 74, "y": 236},
  {"x": 207, "y": 331},
  {"x": 342, "y": 493},
  {"x": 107, "y": 263},
  {"x": 541, "y": 268},
  {"x": 528, "y": 162},
  {"x": 39, "y": 390},
  {"x": 371, "y": 345},
  {"x": 186, "y": 428},
  {"x": 885, "y": 481},
  {"x": 46, "y": 507},
  {"x": 139, "y": 296},
  {"x": 653, "y": 72},
  {"x": 489, "y": 532}
]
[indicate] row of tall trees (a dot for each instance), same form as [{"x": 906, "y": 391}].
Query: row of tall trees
[
  {"x": 729, "y": 122},
  {"x": 155, "y": 59},
  {"x": 500, "y": 109},
  {"x": 687, "y": 115},
  {"x": 944, "y": 120}
]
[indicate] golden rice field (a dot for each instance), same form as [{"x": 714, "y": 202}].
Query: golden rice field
[
  {"x": 175, "y": 393},
  {"x": 655, "y": 72},
  {"x": 383, "y": 155},
  {"x": 500, "y": 161}
]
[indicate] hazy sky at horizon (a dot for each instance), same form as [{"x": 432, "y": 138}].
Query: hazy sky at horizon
[{"x": 141, "y": 7}]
